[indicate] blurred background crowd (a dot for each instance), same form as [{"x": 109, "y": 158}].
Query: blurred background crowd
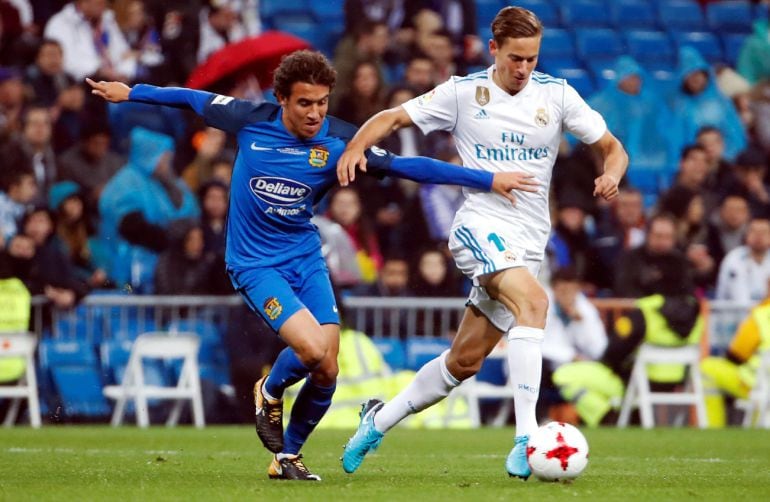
[{"x": 85, "y": 205}]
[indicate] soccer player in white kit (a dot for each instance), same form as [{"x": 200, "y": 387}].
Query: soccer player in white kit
[{"x": 505, "y": 118}]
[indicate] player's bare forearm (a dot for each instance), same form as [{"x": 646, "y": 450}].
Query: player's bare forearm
[
  {"x": 376, "y": 128},
  {"x": 615, "y": 161}
]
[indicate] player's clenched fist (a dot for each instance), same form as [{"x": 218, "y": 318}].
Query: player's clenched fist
[
  {"x": 606, "y": 186},
  {"x": 114, "y": 92}
]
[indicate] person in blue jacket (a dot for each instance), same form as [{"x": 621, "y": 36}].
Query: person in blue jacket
[
  {"x": 639, "y": 117},
  {"x": 136, "y": 207},
  {"x": 698, "y": 102},
  {"x": 286, "y": 162}
]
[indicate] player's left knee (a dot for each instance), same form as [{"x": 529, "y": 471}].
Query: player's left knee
[
  {"x": 326, "y": 375},
  {"x": 533, "y": 308}
]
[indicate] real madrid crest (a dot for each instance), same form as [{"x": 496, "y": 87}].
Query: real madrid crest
[
  {"x": 318, "y": 156},
  {"x": 541, "y": 117},
  {"x": 482, "y": 95}
]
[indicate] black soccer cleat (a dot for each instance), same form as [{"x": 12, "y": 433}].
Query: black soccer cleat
[
  {"x": 269, "y": 419},
  {"x": 291, "y": 468}
]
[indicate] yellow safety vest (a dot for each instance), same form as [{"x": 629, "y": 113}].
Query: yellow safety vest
[
  {"x": 659, "y": 333},
  {"x": 748, "y": 370},
  {"x": 15, "y": 302}
]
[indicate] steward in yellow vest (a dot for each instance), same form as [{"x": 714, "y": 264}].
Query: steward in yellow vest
[
  {"x": 736, "y": 374},
  {"x": 597, "y": 387},
  {"x": 15, "y": 302}
]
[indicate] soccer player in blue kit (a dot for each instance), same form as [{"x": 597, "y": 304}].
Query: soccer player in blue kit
[{"x": 286, "y": 162}]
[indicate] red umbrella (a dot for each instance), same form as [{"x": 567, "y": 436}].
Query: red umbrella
[{"x": 257, "y": 56}]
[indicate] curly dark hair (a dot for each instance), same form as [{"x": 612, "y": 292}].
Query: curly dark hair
[{"x": 310, "y": 67}]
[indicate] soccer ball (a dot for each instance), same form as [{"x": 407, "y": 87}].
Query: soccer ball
[{"x": 557, "y": 451}]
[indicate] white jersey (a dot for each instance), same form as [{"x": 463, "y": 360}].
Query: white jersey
[{"x": 498, "y": 132}]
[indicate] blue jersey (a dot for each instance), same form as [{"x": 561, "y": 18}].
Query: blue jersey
[{"x": 278, "y": 177}]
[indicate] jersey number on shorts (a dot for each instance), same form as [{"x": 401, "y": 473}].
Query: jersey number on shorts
[{"x": 497, "y": 241}]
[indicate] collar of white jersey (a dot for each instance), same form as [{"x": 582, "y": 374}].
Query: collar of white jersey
[{"x": 526, "y": 91}]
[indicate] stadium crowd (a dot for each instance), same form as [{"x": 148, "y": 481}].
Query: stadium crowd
[{"x": 84, "y": 204}]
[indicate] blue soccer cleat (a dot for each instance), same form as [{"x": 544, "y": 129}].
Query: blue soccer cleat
[
  {"x": 366, "y": 438},
  {"x": 516, "y": 464}
]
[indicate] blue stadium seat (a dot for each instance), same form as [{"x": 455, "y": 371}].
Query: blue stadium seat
[
  {"x": 131, "y": 327},
  {"x": 633, "y": 14},
  {"x": 493, "y": 370},
  {"x": 645, "y": 180},
  {"x": 603, "y": 72},
  {"x": 328, "y": 11},
  {"x": 317, "y": 35},
  {"x": 486, "y": 10},
  {"x": 200, "y": 327},
  {"x": 420, "y": 350},
  {"x": 392, "y": 350},
  {"x": 681, "y": 15},
  {"x": 218, "y": 374},
  {"x": 706, "y": 42},
  {"x": 585, "y": 13},
  {"x": 598, "y": 43},
  {"x": 733, "y": 16},
  {"x": 557, "y": 44},
  {"x": 270, "y": 9},
  {"x": 544, "y": 9},
  {"x": 81, "y": 323},
  {"x": 651, "y": 47},
  {"x": 114, "y": 358},
  {"x": 578, "y": 78},
  {"x": 761, "y": 11},
  {"x": 212, "y": 351},
  {"x": 732, "y": 43},
  {"x": 73, "y": 368}
]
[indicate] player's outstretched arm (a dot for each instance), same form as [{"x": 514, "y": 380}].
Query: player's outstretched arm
[
  {"x": 427, "y": 170},
  {"x": 114, "y": 92},
  {"x": 118, "y": 92},
  {"x": 615, "y": 161},
  {"x": 373, "y": 130}
]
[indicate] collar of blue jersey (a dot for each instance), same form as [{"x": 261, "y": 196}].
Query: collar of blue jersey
[{"x": 319, "y": 135}]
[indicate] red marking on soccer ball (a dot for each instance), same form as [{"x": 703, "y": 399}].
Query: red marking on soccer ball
[
  {"x": 562, "y": 452},
  {"x": 530, "y": 450}
]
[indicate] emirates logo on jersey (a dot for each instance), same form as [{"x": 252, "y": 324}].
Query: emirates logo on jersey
[{"x": 541, "y": 117}]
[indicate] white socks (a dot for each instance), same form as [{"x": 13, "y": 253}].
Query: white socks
[
  {"x": 431, "y": 384},
  {"x": 525, "y": 363}
]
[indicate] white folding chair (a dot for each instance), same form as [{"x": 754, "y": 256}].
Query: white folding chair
[
  {"x": 158, "y": 345},
  {"x": 21, "y": 345},
  {"x": 474, "y": 390},
  {"x": 638, "y": 393},
  {"x": 757, "y": 406}
]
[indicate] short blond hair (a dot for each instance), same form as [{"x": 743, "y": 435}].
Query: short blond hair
[{"x": 515, "y": 22}]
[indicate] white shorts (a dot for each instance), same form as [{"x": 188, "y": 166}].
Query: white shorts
[{"x": 481, "y": 250}]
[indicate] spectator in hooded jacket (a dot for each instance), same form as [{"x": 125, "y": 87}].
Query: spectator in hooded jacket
[
  {"x": 638, "y": 116},
  {"x": 138, "y": 204},
  {"x": 697, "y": 102}
]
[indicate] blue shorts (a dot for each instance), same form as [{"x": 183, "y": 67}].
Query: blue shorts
[{"x": 277, "y": 293}]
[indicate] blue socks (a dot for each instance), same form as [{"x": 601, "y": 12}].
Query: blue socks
[
  {"x": 311, "y": 405},
  {"x": 286, "y": 371}
]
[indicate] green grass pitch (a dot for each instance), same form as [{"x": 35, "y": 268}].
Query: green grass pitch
[{"x": 228, "y": 463}]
